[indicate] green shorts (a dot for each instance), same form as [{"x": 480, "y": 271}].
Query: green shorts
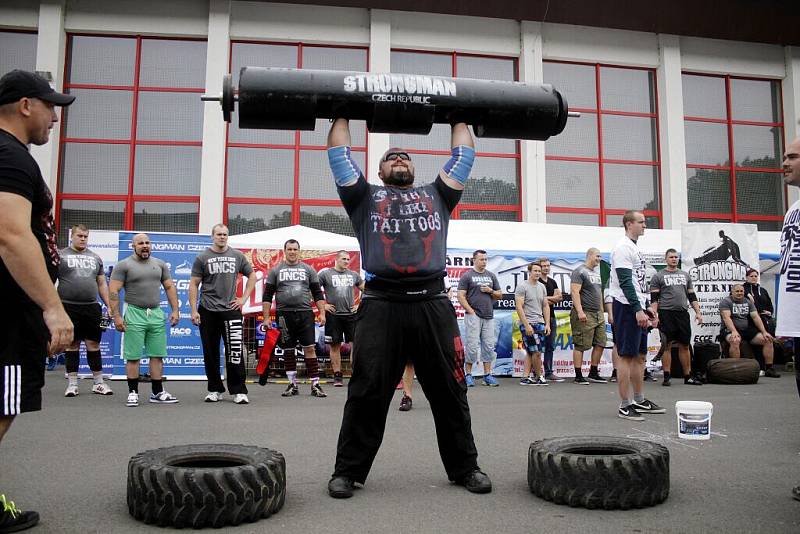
[
  {"x": 589, "y": 334},
  {"x": 144, "y": 328}
]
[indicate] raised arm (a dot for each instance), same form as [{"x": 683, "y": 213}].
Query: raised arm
[
  {"x": 339, "y": 134},
  {"x": 457, "y": 169}
]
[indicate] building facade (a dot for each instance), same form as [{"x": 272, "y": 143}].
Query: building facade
[{"x": 686, "y": 128}]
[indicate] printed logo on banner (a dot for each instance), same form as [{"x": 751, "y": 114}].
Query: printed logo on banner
[{"x": 716, "y": 256}]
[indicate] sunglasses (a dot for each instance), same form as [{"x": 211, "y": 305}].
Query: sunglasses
[{"x": 391, "y": 156}]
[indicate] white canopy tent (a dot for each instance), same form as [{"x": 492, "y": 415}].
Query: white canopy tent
[{"x": 309, "y": 239}]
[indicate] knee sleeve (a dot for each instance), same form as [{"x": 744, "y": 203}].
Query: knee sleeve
[
  {"x": 312, "y": 367},
  {"x": 94, "y": 360},
  {"x": 289, "y": 360},
  {"x": 71, "y": 361}
]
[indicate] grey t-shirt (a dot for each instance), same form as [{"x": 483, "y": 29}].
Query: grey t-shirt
[
  {"x": 141, "y": 280},
  {"x": 77, "y": 276},
  {"x": 591, "y": 288},
  {"x": 219, "y": 272},
  {"x": 534, "y": 295},
  {"x": 340, "y": 289},
  {"x": 471, "y": 282},
  {"x": 673, "y": 288},
  {"x": 292, "y": 285},
  {"x": 740, "y": 311}
]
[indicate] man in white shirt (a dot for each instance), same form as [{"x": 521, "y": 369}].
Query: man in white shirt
[{"x": 629, "y": 290}]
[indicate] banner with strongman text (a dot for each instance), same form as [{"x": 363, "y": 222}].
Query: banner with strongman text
[{"x": 716, "y": 256}]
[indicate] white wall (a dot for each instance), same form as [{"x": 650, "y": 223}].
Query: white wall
[
  {"x": 19, "y": 14},
  {"x": 148, "y": 17},
  {"x": 382, "y": 30},
  {"x": 289, "y": 22}
]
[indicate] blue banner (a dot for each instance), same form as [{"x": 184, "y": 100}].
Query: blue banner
[{"x": 184, "y": 358}]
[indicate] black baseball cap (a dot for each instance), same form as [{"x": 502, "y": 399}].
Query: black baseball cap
[{"x": 19, "y": 84}]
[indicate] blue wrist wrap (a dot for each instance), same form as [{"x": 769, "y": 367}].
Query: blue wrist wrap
[
  {"x": 344, "y": 169},
  {"x": 459, "y": 165}
]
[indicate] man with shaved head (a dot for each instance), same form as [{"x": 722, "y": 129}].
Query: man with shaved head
[
  {"x": 141, "y": 276},
  {"x": 586, "y": 319},
  {"x": 788, "y": 320}
]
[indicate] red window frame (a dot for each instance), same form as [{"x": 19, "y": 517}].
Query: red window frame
[
  {"x": 602, "y": 212},
  {"x": 129, "y": 198},
  {"x": 462, "y": 206},
  {"x": 295, "y": 203},
  {"x": 734, "y": 216}
]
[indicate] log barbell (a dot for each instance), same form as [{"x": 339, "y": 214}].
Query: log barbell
[{"x": 293, "y": 99}]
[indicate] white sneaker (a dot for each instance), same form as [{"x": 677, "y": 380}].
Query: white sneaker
[
  {"x": 102, "y": 389},
  {"x": 541, "y": 381},
  {"x": 133, "y": 399},
  {"x": 213, "y": 396},
  {"x": 72, "y": 391},
  {"x": 163, "y": 398},
  {"x": 241, "y": 398},
  {"x": 761, "y": 373}
]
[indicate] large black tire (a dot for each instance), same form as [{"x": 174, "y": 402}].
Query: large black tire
[
  {"x": 205, "y": 485},
  {"x": 599, "y": 472},
  {"x": 733, "y": 371}
]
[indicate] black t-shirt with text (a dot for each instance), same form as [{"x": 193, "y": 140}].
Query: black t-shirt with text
[
  {"x": 402, "y": 231},
  {"x": 20, "y": 175}
]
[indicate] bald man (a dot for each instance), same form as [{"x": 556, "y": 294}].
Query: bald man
[
  {"x": 141, "y": 276},
  {"x": 586, "y": 319}
]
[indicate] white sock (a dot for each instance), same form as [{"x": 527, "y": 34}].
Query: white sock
[
  {"x": 98, "y": 377},
  {"x": 73, "y": 379},
  {"x": 292, "y": 376}
]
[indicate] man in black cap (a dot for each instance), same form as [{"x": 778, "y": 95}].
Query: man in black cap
[{"x": 33, "y": 318}]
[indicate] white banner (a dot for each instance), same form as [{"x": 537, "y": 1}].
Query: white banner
[{"x": 716, "y": 256}]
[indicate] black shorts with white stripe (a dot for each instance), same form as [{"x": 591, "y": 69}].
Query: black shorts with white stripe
[{"x": 23, "y": 351}]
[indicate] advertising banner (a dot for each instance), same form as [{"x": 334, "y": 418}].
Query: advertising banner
[
  {"x": 716, "y": 256},
  {"x": 184, "y": 360},
  {"x": 511, "y": 270}
]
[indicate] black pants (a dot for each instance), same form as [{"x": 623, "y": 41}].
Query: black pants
[
  {"x": 796, "y": 344},
  {"x": 227, "y": 325},
  {"x": 389, "y": 334}
]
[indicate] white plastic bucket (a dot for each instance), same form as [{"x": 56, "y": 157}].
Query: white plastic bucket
[{"x": 694, "y": 419}]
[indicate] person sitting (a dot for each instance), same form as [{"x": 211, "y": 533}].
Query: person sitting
[{"x": 740, "y": 322}]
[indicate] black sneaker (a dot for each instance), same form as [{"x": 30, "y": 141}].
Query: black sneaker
[
  {"x": 796, "y": 493},
  {"x": 693, "y": 381},
  {"x": 581, "y": 381},
  {"x": 291, "y": 390},
  {"x": 12, "y": 519},
  {"x": 597, "y": 379},
  {"x": 772, "y": 373},
  {"x": 629, "y": 412},
  {"x": 405, "y": 403},
  {"x": 649, "y": 376},
  {"x": 340, "y": 487},
  {"x": 666, "y": 382},
  {"x": 647, "y": 406},
  {"x": 316, "y": 391},
  {"x": 476, "y": 481},
  {"x": 613, "y": 377},
  {"x": 337, "y": 380}
]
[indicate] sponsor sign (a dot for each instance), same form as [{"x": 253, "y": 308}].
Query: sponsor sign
[{"x": 716, "y": 256}]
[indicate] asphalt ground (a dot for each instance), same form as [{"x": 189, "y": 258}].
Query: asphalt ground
[{"x": 69, "y": 461}]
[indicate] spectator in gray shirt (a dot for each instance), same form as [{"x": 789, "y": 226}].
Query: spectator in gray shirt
[
  {"x": 586, "y": 319},
  {"x": 220, "y": 313},
  {"x": 142, "y": 276}
]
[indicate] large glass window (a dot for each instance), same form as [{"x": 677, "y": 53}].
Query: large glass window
[
  {"x": 493, "y": 191},
  {"x": 607, "y": 161},
  {"x": 131, "y": 142},
  {"x": 734, "y": 144},
  {"x": 17, "y": 51},
  {"x": 279, "y": 178}
]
